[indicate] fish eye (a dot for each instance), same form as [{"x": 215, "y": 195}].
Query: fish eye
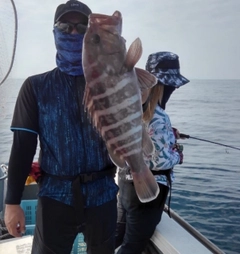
[{"x": 95, "y": 39}]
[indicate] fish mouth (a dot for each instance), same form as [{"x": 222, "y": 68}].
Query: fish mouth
[
  {"x": 114, "y": 20},
  {"x": 112, "y": 24},
  {"x": 104, "y": 32}
]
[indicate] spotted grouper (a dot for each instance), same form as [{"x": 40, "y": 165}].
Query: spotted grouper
[{"x": 113, "y": 98}]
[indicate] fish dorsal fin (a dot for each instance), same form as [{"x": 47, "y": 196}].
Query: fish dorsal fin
[
  {"x": 146, "y": 80},
  {"x": 134, "y": 53},
  {"x": 147, "y": 144}
]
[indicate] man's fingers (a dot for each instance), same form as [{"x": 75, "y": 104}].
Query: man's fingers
[
  {"x": 14, "y": 220},
  {"x": 16, "y": 230}
]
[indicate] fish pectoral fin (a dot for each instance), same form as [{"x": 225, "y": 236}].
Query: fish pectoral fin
[
  {"x": 116, "y": 159},
  {"x": 145, "y": 185},
  {"x": 134, "y": 53},
  {"x": 146, "y": 80},
  {"x": 147, "y": 144}
]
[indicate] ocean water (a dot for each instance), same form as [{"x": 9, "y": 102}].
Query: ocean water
[{"x": 206, "y": 191}]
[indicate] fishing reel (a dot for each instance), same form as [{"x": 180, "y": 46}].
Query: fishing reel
[{"x": 178, "y": 147}]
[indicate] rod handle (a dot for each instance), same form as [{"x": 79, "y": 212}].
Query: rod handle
[{"x": 184, "y": 135}]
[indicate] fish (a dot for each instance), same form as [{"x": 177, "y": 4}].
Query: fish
[{"x": 112, "y": 98}]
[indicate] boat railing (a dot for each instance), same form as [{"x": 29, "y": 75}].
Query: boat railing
[{"x": 195, "y": 233}]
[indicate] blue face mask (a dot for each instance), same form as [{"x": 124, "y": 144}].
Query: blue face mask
[{"x": 69, "y": 52}]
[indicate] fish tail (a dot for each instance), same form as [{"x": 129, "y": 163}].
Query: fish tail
[{"x": 145, "y": 185}]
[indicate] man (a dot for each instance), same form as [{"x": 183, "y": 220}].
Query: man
[{"x": 77, "y": 191}]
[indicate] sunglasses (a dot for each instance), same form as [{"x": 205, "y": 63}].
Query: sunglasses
[{"x": 67, "y": 27}]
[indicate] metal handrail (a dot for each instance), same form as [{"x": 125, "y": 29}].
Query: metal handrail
[
  {"x": 195, "y": 233},
  {"x": 4, "y": 169}
]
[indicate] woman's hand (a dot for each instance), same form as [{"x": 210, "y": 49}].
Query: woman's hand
[{"x": 176, "y": 133}]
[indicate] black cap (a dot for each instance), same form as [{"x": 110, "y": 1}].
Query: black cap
[{"x": 71, "y": 6}]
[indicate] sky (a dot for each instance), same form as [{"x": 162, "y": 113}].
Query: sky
[{"x": 204, "y": 33}]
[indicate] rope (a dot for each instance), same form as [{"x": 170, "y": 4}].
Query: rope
[{"x": 14, "y": 44}]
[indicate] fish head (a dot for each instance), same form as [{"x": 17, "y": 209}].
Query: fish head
[{"x": 104, "y": 48}]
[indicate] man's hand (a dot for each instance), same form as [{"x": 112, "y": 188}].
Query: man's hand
[{"x": 14, "y": 219}]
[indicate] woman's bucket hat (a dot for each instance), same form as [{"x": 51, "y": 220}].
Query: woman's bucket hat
[{"x": 166, "y": 68}]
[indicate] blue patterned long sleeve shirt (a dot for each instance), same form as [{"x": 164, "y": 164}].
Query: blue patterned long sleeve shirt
[
  {"x": 161, "y": 133},
  {"x": 49, "y": 107}
]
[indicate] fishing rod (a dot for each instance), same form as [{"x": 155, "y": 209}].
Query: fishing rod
[{"x": 205, "y": 140}]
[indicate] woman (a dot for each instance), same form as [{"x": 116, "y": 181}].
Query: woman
[{"x": 137, "y": 221}]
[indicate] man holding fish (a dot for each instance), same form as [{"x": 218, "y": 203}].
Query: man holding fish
[{"x": 77, "y": 191}]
